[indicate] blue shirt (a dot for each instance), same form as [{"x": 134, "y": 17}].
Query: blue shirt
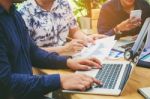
[
  {"x": 18, "y": 54},
  {"x": 112, "y": 14},
  {"x": 48, "y": 28}
]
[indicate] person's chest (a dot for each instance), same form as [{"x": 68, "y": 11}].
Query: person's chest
[
  {"x": 50, "y": 23},
  {"x": 15, "y": 37}
]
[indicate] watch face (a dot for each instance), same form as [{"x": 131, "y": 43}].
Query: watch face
[
  {"x": 127, "y": 55},
  {"x": 136, "y": 59}
]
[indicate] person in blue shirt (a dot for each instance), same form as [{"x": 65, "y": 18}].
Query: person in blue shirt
[
  {"x": 18, "y": 53},
  {"x": 114, "y": 18}
]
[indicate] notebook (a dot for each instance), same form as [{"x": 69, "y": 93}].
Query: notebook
[{"x": 145, "y": 92}]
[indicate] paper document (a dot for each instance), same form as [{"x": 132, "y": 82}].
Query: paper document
[
  {"x": 115, "y": 54},
  {"x": 101, "y": 49}
]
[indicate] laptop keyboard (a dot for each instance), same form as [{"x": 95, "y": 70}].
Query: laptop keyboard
[{"x": 108, "y": 75}]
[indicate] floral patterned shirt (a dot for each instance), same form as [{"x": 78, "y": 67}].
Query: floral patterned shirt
[{"x": 48, "y": 28}]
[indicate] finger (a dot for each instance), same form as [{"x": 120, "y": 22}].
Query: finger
[
  {"x": 96, "y": 60},
  {"x": 87, "y": 84},
  {"x": 91, "y": 63},
  {"x": 80, "y": 87},
  {"x": 100, "y": 37},
  {"x": 78, "y": 44},
  {"x": 91, "y": 39},
  {"x": 82, "y": 42},
  {"x": 130, "y": 26},
  {"x": 84, "y": 67},
  {"x": 135, "y": 20},
  {"x": 91, "y": 80},
  {"x": 87, "y": 80},
  {"x": 97, "y": 81},
  {"x": 94, "y": 80},
  {"x": 77, "y": 48}
]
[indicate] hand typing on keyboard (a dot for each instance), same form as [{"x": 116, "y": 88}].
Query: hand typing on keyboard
[
  {"x": 109, "y": 75},
  {"x": 83, "y": 64},
  {"x": 78, "y": 82}
]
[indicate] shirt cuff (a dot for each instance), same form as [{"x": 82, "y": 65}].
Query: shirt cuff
[
  {"x": 62, "y": 61},
  {"x": 51, "y": 82}
]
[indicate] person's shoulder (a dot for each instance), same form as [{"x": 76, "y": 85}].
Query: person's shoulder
[
  {"x": 143, "y": 3},
  {"x": 144, "y": 6},
  {"x": 25, "y": 6},
  {"x": 65, "y": 4}
]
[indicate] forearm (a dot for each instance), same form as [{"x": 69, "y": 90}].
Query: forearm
[
  {"x": 22, "y": 85},
  {"x": 60, "y": 49},
  {"x": 77, "y": 34},
  {"x": 49, "y": 60},
  {"x": 43, "y": 59}
]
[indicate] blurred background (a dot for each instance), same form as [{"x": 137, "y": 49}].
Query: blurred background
[{"x": 86, "y": 12}]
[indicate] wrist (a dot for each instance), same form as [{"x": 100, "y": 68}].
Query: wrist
[
  {"x": 65, "y": 48},
  {"x": 117, "y": 30},
  {"x": 62, "y": 81},
  {"x": 69, "y": 61}
]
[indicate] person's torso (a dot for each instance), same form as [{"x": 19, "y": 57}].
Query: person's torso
[
  {"x": 118, "y": 15},
  {"x": 49, "y": 28},
  {"x": 17, "y": 42}
]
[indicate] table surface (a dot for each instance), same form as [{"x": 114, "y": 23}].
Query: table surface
[{"x": 139, "y": 78}]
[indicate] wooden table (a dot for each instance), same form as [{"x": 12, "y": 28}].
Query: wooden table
[{"x": 139, "y": 78}]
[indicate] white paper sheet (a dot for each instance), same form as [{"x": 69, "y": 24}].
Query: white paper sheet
[{"x": 101, "y": 49}]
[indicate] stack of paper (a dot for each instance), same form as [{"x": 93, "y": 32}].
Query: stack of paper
[{"x": 100, "y": 50}]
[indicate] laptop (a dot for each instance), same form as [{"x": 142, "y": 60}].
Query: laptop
[
  {"x": 124, "y": 43},
  {"x": 114, "y": 76}
]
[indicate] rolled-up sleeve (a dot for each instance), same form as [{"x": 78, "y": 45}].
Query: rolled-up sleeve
[{"x": 21, "y": 85}]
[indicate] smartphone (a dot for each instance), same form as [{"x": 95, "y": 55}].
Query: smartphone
[{"x": 136, "y": 14}]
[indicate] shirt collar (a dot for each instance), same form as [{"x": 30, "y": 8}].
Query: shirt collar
[{"x": 39, "y": 9}]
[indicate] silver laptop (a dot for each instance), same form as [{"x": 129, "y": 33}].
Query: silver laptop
[
  {"x": 113, "y": 75},
  {"x": 124, "y": 43}
]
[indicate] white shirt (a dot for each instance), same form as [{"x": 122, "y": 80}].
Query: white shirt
[{"x": 48, "y": 28}]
